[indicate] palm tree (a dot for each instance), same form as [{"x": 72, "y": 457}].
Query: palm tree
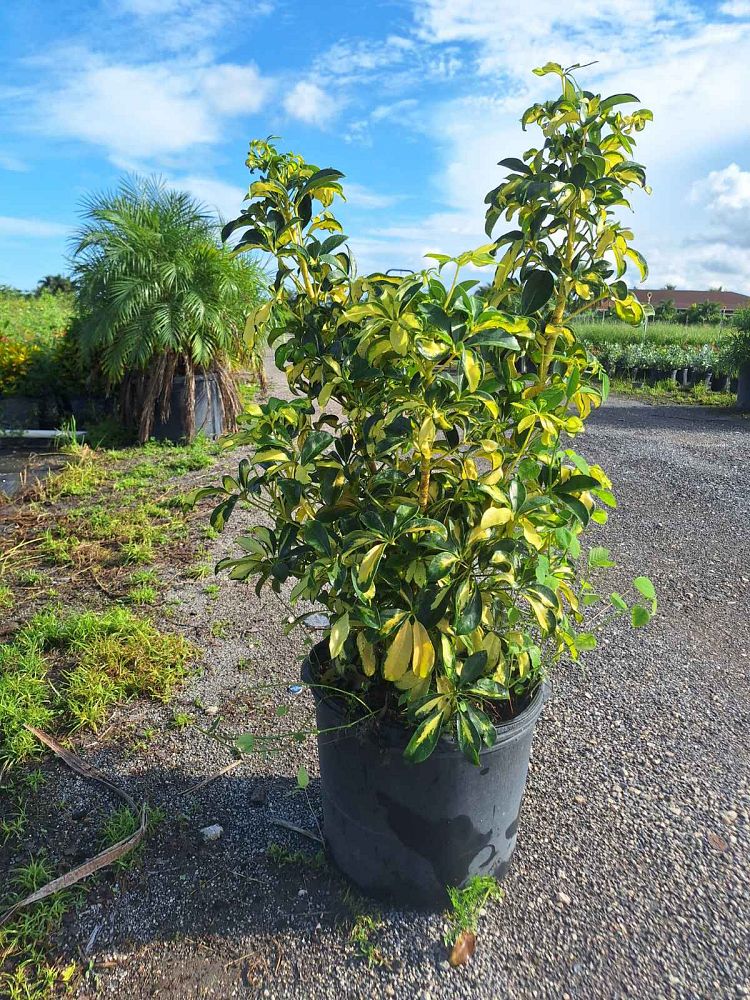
[
  {"x": 54, "y": 284},
  {"x": 161, "y": 297}
]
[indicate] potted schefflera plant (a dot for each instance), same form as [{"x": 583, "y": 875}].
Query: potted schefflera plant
[{"x": 420, "y": 486}]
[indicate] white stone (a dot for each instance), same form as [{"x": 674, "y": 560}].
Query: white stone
[{"x": 211, "y": 833}]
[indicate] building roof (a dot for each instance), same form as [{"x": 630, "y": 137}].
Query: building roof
[{"x": 683, "y": 299}]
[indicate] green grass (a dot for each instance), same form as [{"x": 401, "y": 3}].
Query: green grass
[
  {"x": 281, "y": 855},
  {"x": 142, "y": 595},
  {"x": 63, "y": 673},
  {"x": 25, "y": 973},
  {"x": 122, "y": 823}
]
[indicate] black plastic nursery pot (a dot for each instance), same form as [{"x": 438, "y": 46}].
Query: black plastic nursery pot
[
  {"x": 404, "y": 831},
  {"x": 209, "y": 410}
]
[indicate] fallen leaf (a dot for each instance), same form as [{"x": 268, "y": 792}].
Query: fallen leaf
[
  {"x": 463, "y": 949},
  {"x": 718, "y": 843}
]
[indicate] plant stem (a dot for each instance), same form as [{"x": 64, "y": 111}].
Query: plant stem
[{"x": 424, "y": 483}]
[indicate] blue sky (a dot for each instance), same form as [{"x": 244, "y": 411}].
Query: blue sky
[{"x": 415, "y": 100}]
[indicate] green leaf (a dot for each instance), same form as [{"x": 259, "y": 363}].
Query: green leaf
[
  {"x": 550, "y": 67},
  {"x": 537, "y": 289},
  {"x": 645, "y": 587},
  {"x": 467, "y": 736},
  {"x": 425, "y": 738},
  {"x": 315, "y": 443},
  {"x": 639, "y": 616},
  {"x": 600, "y": 557},
  {"x": 611, "y": 102},
  {"x": 221, "y": 513},
  {"x": 617, "y": 602},
  {"x": 245, "y": 743},
  {"x": 472, "y": 668},
  {"x": 440, "y": 565},
  {"x": 585, "y": 641},
  {"x": 303, "y": 778},
  {"x": 494, "y": 338},
  {"x": 469, "y": 612},
  {"x": 323, "y": 178}
]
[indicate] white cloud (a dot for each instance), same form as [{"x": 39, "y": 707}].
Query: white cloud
[
  {"x": 357, "y": 58},
  {"x": 310, "y": 103},
  {"x": 359, "y": 196},
  {"x": 726, "y": 193},
  {"x": 183, "y": 24},
  {"x": 151, "y": 110},
  {"x": 12, "y": 226},
  {"x": 735, "y": 8},
  {"x": 10, "y": 162},
  {"x": 226, "y": 200}
]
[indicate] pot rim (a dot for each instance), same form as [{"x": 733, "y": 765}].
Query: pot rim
[{"x": 399, "y": 735}]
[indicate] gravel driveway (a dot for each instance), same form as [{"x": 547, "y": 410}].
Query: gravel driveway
[{"x": 632, "y": 875}]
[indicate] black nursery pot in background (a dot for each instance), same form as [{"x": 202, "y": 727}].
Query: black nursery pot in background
[
  {"x": 404, "y": 831},
  {"x": 209, "y": 410}
]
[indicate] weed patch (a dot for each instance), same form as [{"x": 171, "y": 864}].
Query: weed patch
[{"x": 65, "y": 673}]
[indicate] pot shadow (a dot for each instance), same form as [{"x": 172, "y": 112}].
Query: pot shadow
[{"x": 259, "y": 882}]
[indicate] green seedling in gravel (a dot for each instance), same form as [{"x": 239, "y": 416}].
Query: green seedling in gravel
[
  {"x": 366, "y": 922},
  {"x": 6, "y": 598},
  {"x": 142, "y": 594},
  {"x": 281, "y": 855},
  {"x": 34, "y": 779},
  {"x": 220, "y": 628},
  {"x": 13, "y": 822},
  {"x": 463, "y": 919},
  {"x": 365, "y": 926},
  {"x": 212, "y": 590},
  {"x": 181, "y": 720},
  {"x": 199, "y": 571},
  {"x": 31, "y": 578}
]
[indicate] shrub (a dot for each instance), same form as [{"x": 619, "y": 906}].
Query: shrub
[
  {"x": 436, "y": 511},
  {"x": 37, "y": 353}
]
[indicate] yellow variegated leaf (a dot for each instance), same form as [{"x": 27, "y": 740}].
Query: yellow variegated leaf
[
  {"x": 392, "y": 622},
  {"x": 370, "y": 562},
  {"x": 367, "y": 654},
  {"x": 472, "y": 369},
  {"x": 493, "y": 647},
  {"x": 271, "y": 455},
  {"x": 531, "y": 535},
  {"x": 399, "y": 339},
  {"x": 423, "y": 657},
  {"x": 399, "y": 653},
  {"x": 426, "y": 436},
  {"x": 494, "y": 516},
  {"x": 339, "y": 633},
  {"x": 325, "y": 393}
]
